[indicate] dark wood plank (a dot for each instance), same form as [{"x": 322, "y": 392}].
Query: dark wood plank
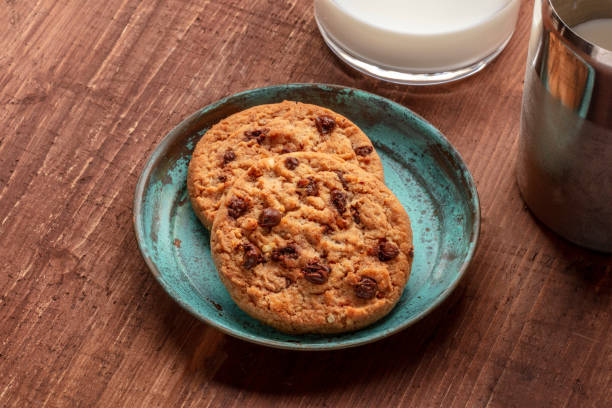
[{"x": 88, "y": 89}]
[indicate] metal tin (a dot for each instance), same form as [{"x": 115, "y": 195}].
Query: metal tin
[{"x": 564, "y": 167}]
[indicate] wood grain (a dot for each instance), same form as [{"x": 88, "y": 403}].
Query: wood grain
[{"x": 88, "y": 88}]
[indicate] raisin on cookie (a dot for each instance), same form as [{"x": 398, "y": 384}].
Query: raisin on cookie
[
  {"x": 231, "y": 146},
  {"x": 312, "y": 244}
]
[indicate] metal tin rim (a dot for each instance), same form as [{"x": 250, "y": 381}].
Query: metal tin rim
[{"x": 594, "y": 51}]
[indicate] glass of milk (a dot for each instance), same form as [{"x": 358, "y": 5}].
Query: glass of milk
[{"x": 417, "y": 42}]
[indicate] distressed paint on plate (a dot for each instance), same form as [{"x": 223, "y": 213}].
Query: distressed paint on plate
[{"x": 421, "y": 168}]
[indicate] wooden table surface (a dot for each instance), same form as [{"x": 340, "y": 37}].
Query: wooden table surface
[{"x": 87, "y": 90}]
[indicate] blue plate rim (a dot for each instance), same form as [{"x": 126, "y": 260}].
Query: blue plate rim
[{"x": 177, "y": 130}]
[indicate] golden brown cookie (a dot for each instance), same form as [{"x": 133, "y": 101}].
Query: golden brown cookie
[
  {"x": 308, "y": 243},
  {"x": 231, "y": 146}
]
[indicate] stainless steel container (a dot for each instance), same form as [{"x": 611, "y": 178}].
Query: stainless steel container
[{"x": 564, "y": 166}]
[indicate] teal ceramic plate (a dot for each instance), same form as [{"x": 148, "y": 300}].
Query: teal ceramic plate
[{"x": 421, "y": 168}]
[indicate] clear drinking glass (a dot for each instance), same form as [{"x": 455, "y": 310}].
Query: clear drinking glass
[{"x": 417, "y": 42}]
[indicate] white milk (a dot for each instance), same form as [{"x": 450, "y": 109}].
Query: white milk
[
  {"x": 598, "y": 31},
  {"x": 420, "y": 36}
]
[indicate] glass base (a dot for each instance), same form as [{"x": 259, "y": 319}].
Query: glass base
[{"x": 407, "y": 78}]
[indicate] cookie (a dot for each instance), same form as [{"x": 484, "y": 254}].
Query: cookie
[
  {"x": 308, "y": 243},
  {"x": 231, "y": 146}
]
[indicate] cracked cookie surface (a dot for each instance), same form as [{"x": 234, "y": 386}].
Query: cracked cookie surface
[
  {"x": 231, "y": 146},
  {"x": 308, "y": 243}
]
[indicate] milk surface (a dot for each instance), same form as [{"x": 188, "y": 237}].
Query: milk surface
[
  {"x": 421, "y": 36},
  {"x": 598, "y": 31},
  {"x": 423, "y": 16}
]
